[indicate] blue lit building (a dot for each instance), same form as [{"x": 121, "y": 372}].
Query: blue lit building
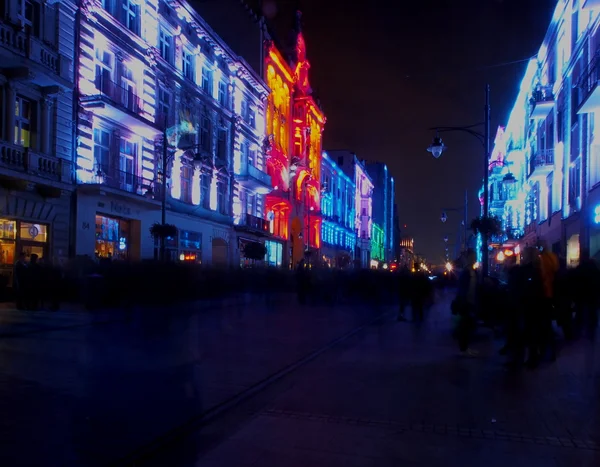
[
  {"x": 551, "y": 143},
  {"x": 338, "y": 236},
  {"x": 383, "y": 206},
  {"x": 147, "y": 65}
]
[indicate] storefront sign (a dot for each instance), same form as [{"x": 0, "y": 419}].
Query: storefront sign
[{"x": 118, "y": 208}]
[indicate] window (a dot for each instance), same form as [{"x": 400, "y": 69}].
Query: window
[
  {"x": 252, "y": 118},
  {"x": 164, "y": 106},
  {"x": 186, "y": 184},
  {"x": 102, "y": 149},
  {"x": 131, "y": 16},
  {"x": 128, "y": 95},
  {"x": 188, "y": 65},
  {"x": 24, "y": 118},
  {"x": 550, "y": 199},
  {"x": 222, "y": 197},
  {"x": 29, "y": 16},
  {"x": 165, "y": 45},
  {"x": 575, "y": 183},
  {"x": 127, "y": 158},
  {"x": 104, "y": 71},
  {"x": 207, "y": 79},
  {"x": 244, "y": 110},
  {"x": 223, "y": 94},
  {"x": 222, "y": 144},
  {"x": 252, "y": 157},
  {"x": 205, "y": 180},
  {"x": 251, "y": 204},
  {"x": 205, "y": 133},
  {"x": 594, "y": 153}
]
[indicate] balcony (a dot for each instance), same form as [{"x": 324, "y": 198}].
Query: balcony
[
  {"x": 542, "y": 102},
  {"x": 254, "y": 179},
  {"x": 120, "y": 104},
  {"x": 27, "y": 161},
  {"x": 589, "y": 94},
  {"x": 542, "y": 163},
  {"x": 254, "y": 224},
  {"x": 119, "y": 182},
  {"x": 48, "y": 63}
]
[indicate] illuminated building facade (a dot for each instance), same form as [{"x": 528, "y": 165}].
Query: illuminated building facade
[
  {"x": 294, "y": 126},
  {"x": 383, "y": 207},
  {"x": 338, "y": 235},
  {"x": 37, "y": 49},
  {"x": 143, "y": 67},
  {"x": 377, "y": 246},
  {"x": 363, "y": 203},
  {"x": 550, "y": 143}
]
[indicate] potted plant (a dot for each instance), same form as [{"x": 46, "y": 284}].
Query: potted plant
[{"x": 255, "y": 251}]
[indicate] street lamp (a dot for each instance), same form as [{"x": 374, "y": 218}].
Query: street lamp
[{"x": 437, "y": 148}]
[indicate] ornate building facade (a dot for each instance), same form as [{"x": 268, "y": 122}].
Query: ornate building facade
[
  {"x": 294, "y": 143},
  {"x": 37, "y": 48},
  {"x": 550, "y": 145},
  {"x": 152, "y": 74}
]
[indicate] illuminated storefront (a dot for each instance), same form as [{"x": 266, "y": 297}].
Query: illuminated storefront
[
  {"x": 274, "y": 256},
  {"x": 18, "y": 237}
]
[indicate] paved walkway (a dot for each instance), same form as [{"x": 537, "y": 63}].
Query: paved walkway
[
  {"x": 86, "y": 389},
  {"x": 400, "y": 395}
]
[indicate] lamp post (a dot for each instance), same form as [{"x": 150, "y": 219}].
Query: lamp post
[
  {"x": 464, "y": 222},
  {"x": 437, "y": 148}
]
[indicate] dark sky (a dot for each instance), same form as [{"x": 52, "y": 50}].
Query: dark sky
[{"x": 388, "y": 70}]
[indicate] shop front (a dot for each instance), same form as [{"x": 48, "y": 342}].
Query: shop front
[
  {"x": 274, "y": 256},
  {"x": 594, "y": 223},
  {"x": 112, "y": 228},
  {"x": 18, "y": 237}
]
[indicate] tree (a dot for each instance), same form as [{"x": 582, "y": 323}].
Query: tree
[{"x": 486, "y": 226}]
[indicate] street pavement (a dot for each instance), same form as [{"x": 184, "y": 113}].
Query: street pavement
[
  {"x": 81, "y": 388},
  {"x": 399, "y": 394}
]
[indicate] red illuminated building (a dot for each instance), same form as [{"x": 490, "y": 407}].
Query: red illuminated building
[{"x": 294, "y": 125}]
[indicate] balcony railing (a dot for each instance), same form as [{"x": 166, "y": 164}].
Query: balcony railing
[
  {"x": 120, "y": 95},
  {"x": 124, "y": 181},
  {"x": 541, "y": 101},
  {"x": 29, "y": 161},
  {"x": 542, "y": 162},
  {"x": 588, "y": 95},
  {"x": 254, "y": 223},
  {"x": 21, "y": 43}
]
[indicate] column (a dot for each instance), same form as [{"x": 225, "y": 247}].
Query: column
[{"x": 11, "y": 98}]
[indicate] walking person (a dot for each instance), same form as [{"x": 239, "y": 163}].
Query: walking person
[{"x": 20, "y": 282}]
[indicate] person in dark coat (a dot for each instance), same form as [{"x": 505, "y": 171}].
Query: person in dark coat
[{"x": 20, "y": 282}]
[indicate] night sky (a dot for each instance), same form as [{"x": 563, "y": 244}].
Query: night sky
[{"x": 386, "y": 71}]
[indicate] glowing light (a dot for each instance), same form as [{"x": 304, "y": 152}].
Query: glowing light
[
  {"x": 517, "y": 249},
  {"x": 476, "y": 265},
  {"x": 213, "y": 193},
  {"x": 176, "y": 175},
  {"x": 449, "y": 267},
  {"x": 196, "y": 186},
  {"x": 597, "y": 214},
  {"x": 508, "y": 253},
  {"x": 500, "y": 257}
]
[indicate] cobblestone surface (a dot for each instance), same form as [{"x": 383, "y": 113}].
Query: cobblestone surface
[
  {"x": 399, "y": 394},
  {"x": 89, "y": 388}
]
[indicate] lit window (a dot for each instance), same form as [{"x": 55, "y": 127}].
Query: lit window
[
  {"x": 164, "y": 106},
  {"x": 165, "y": 45},
  {"x": 23, "y": 121},
  {"x": 223, "y": 93},
  {"x": 127, "y": 166},
  {"x": 222, "y": 187},
  {"x": 207, "y": 79},
  {"x": 131, "y": 16},
  {"x": 188, "y": 65},
  {"x": 186, "y": 184},
  {"x": 102, "y": 149},
  {"x": 104, "y": 71}
]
